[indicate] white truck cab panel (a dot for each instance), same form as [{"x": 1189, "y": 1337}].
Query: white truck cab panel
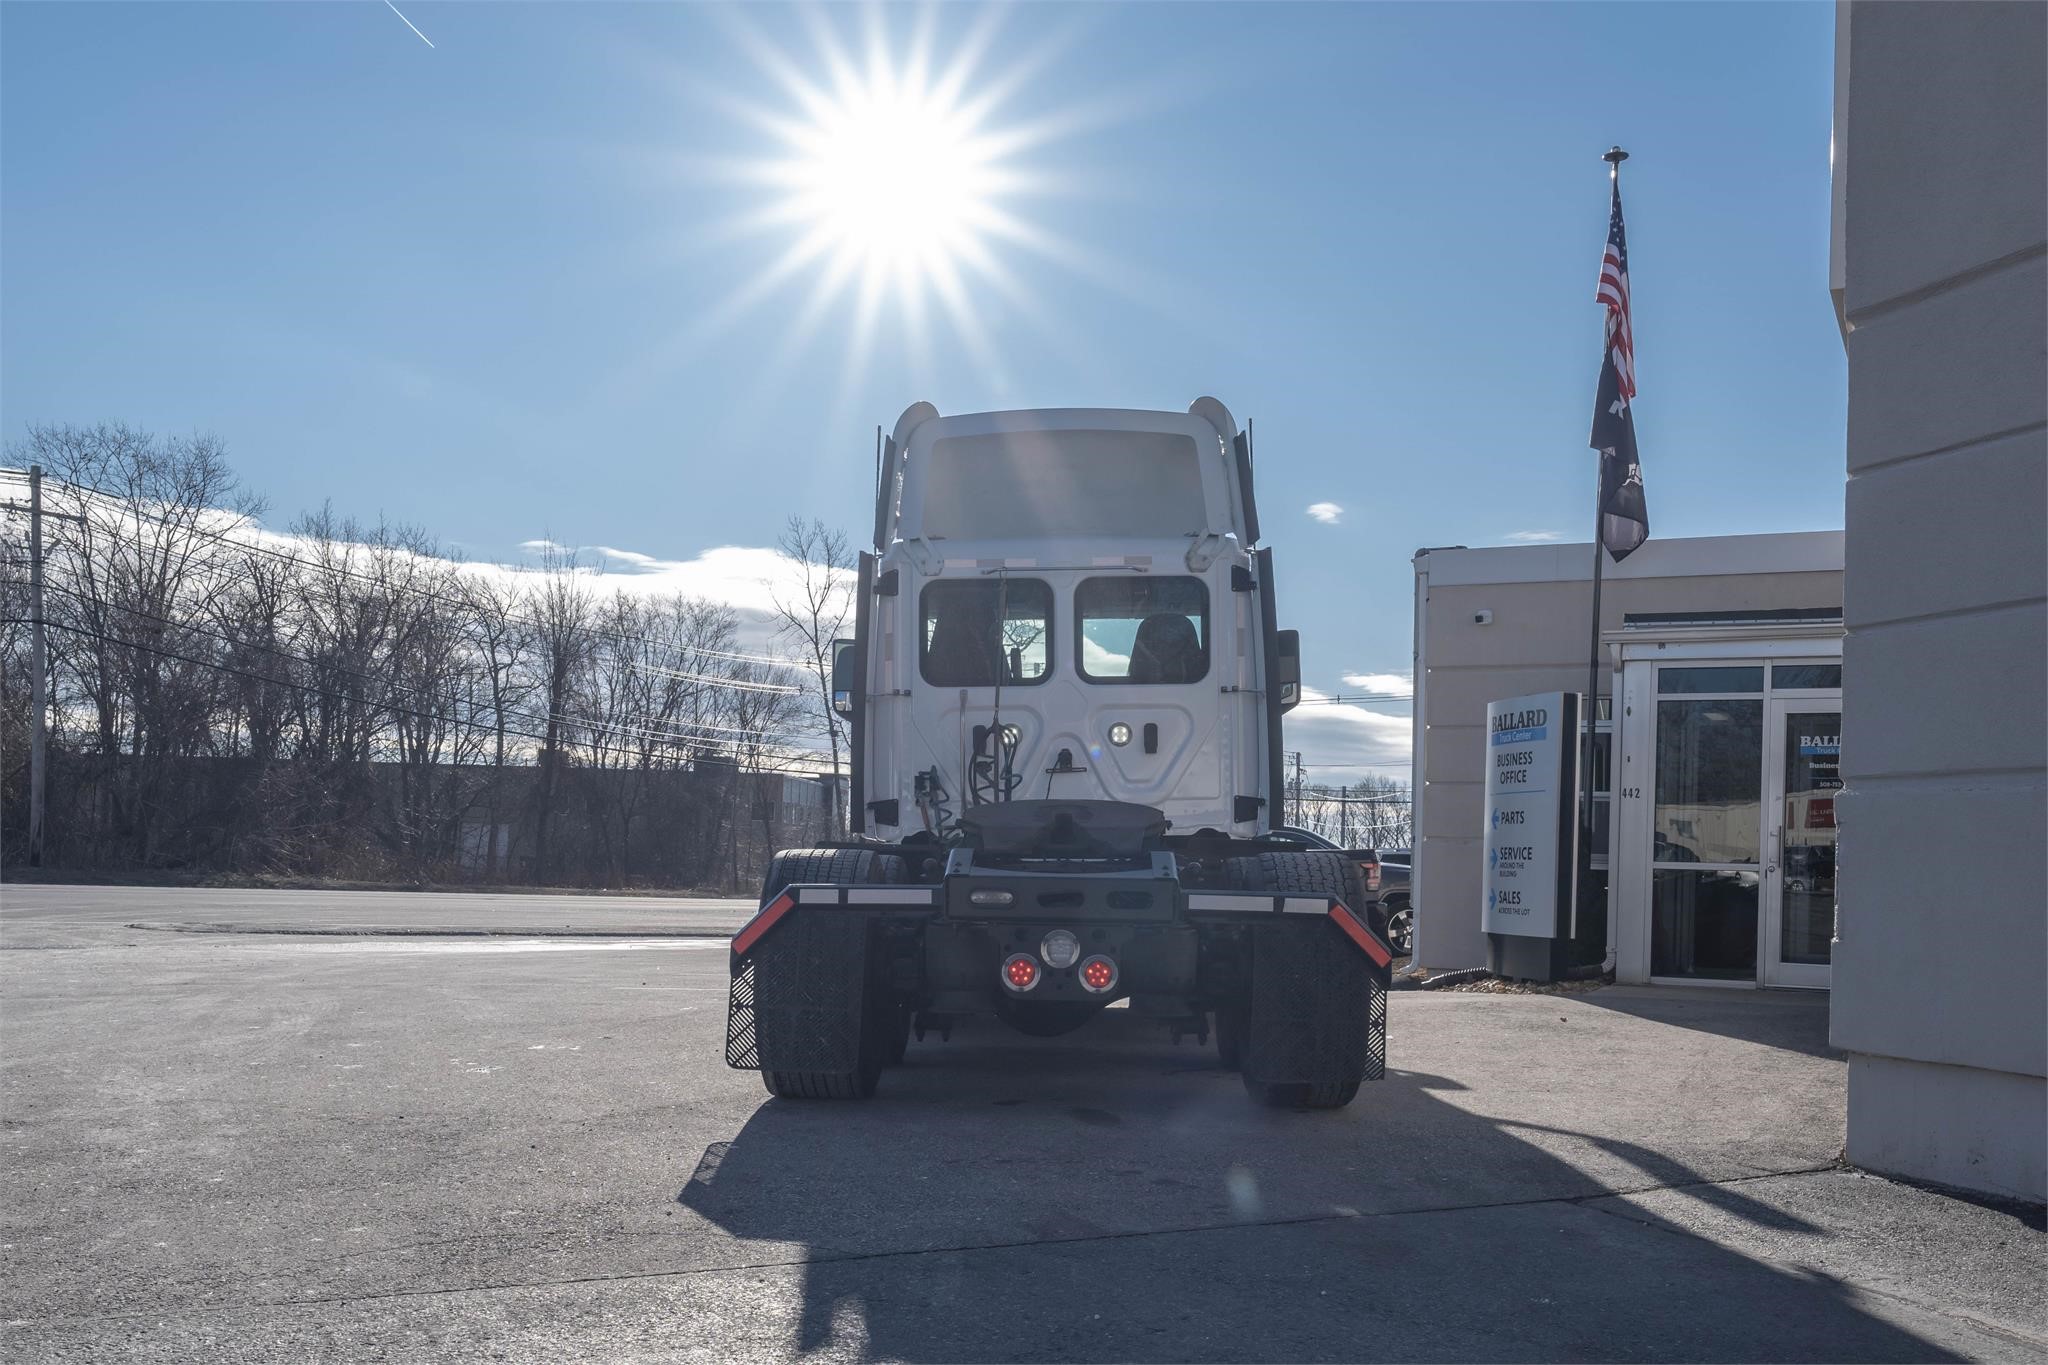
[{"x": 1067, "y": 603}]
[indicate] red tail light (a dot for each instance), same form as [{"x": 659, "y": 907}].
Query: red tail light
[
  {"x": 1098, "y": 974},
  {"x": 1020, "y": 972}
]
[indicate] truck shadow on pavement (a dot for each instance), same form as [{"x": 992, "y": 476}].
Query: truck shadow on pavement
[{"x": 1011, "y": 1200}]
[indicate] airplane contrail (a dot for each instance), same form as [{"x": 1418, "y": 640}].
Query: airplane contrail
[{"x": 410, "y": 24}]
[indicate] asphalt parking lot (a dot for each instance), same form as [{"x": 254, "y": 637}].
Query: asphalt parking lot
[{"x": 231, "y": 1145}]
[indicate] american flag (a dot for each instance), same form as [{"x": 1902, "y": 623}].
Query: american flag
[
  {"x": 1624, "y": 515},
  {"x": 1613, "y": 292}
]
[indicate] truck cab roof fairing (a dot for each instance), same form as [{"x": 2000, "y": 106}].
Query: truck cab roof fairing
[{"x": 1080, "y": 473}]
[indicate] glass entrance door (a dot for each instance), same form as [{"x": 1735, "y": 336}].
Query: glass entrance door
[{"x": 1803, "y": 772}]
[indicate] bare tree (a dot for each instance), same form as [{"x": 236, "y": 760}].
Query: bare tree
[
  {"x": 502, "y": 646},
  {"x": 813, "y": 613},
  {"x": 560, "y": 607}
]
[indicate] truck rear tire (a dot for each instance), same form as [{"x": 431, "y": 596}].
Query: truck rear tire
[
  {"x": 819, "y": 1085},
  {"x": 789, "y": 962},
  {"x": 838, "y": 866},
  {"x": 1295, "y": 1095},
  {"x": 1304, "y": 1038}
]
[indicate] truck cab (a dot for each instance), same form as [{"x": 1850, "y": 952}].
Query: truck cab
[{"x": 1067, "y": 603}]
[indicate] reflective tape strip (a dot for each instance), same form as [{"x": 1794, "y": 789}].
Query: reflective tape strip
[
  {"x": 1305, "y": 905},
  {"x": 1359, "y": 934},
  {"x": 889, "y": 895},
  {"x": 750, "y": 933},
  {"x": 818, "y": 895},
  {"x": 1204, "y": 900}
]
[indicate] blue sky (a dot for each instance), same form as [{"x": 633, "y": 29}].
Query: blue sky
[{"x": 487, "y": 286}]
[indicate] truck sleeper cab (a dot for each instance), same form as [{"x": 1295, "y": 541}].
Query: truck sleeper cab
[{"x": 1064, "y": 693}]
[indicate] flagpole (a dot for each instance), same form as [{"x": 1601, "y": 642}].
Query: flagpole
[{"x": 1613, "y": 156}]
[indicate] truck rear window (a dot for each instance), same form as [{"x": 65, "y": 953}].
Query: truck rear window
[
  {"x": 975, "y": 631},
  {"x": 1143, "y": 630}
]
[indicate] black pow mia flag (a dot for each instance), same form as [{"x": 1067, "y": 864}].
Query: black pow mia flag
[{"x": 1624, "y": 515}]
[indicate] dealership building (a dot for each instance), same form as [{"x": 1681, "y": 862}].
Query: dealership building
[
  {"x": 1714, "y": 777},
  {"x": 1766, "y": 700}
]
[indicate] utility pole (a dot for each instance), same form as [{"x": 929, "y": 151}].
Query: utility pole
[{"x": 1297, "y": 788}]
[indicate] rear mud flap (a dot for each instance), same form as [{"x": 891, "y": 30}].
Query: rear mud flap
[
  {"x": 1318, "y": 1008},
  {"x": 799, "y": 999}
]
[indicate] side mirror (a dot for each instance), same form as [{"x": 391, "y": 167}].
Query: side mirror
[
  {"x": 845, "y": 676},
  {"x": 1288, "y": 659}
]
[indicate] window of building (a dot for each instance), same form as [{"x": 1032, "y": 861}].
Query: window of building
[
  {"x": 1710, "y": 779},
  {"x": 1712, "y": 678},
  {"x": 1142, "y": 630},
  {"x": 1827, "y": 676},
  {"x": 976, "y": 632}
]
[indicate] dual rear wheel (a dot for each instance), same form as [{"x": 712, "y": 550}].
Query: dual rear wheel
[
  {"x": 885, "y": 1025},
  {"x": 1299, "y": 1037}
]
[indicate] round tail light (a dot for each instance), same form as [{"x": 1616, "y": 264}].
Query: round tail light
[
  {"x": 1020, "y": 972},
  {"x": 1099, "y": 974},
  {"x": 1060, "y": 949}
]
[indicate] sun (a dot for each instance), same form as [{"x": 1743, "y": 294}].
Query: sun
[
  {"x": 898, "y": 173},
  {"x": 896, "y": 181}
]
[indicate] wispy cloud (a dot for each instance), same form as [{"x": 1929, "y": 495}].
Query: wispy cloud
[
  {"x": 1396, "y": 684},
  {"x": 1346, "y": 743},
  {"x": 1328, "y": 513},
  {"x": 409, "y": 24},
  {"x": 1532, "y": 537}
]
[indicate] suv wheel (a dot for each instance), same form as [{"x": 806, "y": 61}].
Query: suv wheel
[{"x": 1401, "y": 928}]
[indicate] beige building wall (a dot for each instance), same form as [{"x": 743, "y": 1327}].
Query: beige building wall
[
  {"x": 1539, "y": 601},
  {"x": 1941, "y": 280}
]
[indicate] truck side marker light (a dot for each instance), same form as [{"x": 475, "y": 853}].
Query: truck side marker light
[
  {"x": 1359, "y": 934},
  {"x": 989, "y": 897},
  {"x": 750, "y": 933},
  {"x": 1020, "y": 972}
]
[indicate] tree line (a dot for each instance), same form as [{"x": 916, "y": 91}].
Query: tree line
[{"x": 350, "y": 701}]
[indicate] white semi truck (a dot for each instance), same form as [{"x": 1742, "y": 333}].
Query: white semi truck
[{"x": 1064, "y": 692}]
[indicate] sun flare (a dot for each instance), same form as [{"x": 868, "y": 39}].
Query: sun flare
[
  {"x": 895, "y": 180},
  {"x": 894, "y": 186}
]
